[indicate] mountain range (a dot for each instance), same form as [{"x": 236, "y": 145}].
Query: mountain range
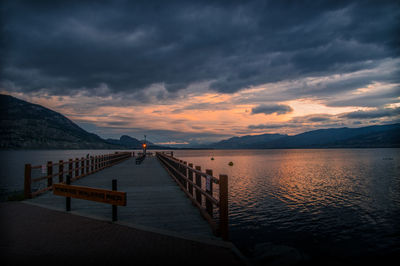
[
  {"x": 363, "y": 137},
  {"x": 24, "y": 125}
]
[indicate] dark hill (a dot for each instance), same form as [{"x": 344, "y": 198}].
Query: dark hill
[
  {"x": 363, "y": 137},
  {"x": 246, "y": 141},
  {"x": 25, "y": 125}
]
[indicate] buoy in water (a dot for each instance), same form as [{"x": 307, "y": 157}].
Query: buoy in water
[
  {"x": 212, "y": 158},
  {"x": 230, "y": 163}
]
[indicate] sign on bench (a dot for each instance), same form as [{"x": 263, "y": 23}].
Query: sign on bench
[{"x": 93, "y": 194}]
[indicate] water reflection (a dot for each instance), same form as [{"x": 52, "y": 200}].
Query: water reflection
[{"x": 316, "y": 200}]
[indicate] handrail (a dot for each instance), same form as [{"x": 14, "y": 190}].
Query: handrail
[
  {"x": 215, "y": 201},
  {"x": 76, "y": 168},
  {"x": 183, "y": 175},
  {"x": 215, "y": 180}
]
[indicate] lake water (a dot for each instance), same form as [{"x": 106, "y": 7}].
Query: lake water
[
  {"x": 328, "y": 204},
  {"x": 341, "y": 204}
]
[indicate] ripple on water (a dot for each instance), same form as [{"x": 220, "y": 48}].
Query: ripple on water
[{"x": 339, "y": 199}]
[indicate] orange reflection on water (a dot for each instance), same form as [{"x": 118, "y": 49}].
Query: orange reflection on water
[
  {"x": 312, "y": 178},
  {"x": 303, "y": 179}
]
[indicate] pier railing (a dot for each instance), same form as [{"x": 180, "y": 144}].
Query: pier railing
[
  {"x": 38, "y": 182},
  {"x": 202, "y": 193}
]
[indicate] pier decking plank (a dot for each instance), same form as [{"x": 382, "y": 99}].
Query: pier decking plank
[
  {"x": 31, "y": 234},
  {"x": 154, "y": 200}
]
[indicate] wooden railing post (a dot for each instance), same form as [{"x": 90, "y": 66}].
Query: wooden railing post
[
  {"x": 49, "y": 173},
  {"x": 185, "y": 173},
  {"x": 28, "y": 181},
  {"x": 179, "y": 168},
  {"x": 198, "y": 183},
  {"x": 60, "y": 171},
  {"x": 223, "y": 207},
  {"x": 76, "y": 167},
  {"x": 173, "y": 168},
  {"x": 96, "y": 161},
  {"x": 209, "y": 190},
  {"x": 82, "y": 166},
  {"x": 190, "y": 176},
  {"x": 70, "y": 166},
  {"x": 87, "y": 165},
  {"x": 91, "y": 164}
]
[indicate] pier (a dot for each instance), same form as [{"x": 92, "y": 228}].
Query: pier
[{"x": 163, "y": 196}]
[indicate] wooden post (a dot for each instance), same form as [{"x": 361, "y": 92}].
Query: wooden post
[
  {"x": 70, "y": 166},
  {"x": 114, "y": 207},
  {"x": 91, "y": 164},
  {"x": 60, "y": 171},
  {"x": 96, "y": 160},
  {"x": 190, "y": 176},
  {"x": 76, "y": 167},
  {"x": 174, "y": 169},
  {"x": 209, "y": 190},
  {"x": 49, "y": 173},
  {"x": 223, "y": 207},
  {"x": 180, "y": 171},
  {"x": 27, "y": 182},
  {"x": 184, "y": 172},
  {"x": 198, "y": 183},
  {"x": 87, "y": 165},
  {"x": 82, "y": 166},
  {"x": 68, "y": 199}
]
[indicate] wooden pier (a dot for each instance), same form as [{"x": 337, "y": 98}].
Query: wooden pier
[{"x": 154, "y": 200}]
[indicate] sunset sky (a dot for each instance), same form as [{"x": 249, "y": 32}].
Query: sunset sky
[{"x": 189, "y": 72}]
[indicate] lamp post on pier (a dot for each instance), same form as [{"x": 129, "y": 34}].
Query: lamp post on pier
[{"x": 144, "y": 146}]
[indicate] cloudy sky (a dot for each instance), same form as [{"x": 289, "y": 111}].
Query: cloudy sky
[{"x": 200, "y": 71}]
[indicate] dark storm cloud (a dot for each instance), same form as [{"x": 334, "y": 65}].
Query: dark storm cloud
[
  {"x": 117, "y": 123},
  {"x": 379, "y": 113},
  {"x": 375, "y": 99},
  {"x": 127, "y": 46},
  {"x": 307, "y": 121},
  {"x": 279, "y": 109}
]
